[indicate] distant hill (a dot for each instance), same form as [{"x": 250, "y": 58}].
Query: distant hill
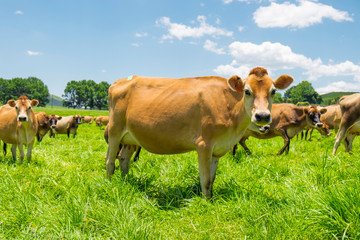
[
  {"x": 55, "y": 101},
  {"x": 333, "y": 97}
]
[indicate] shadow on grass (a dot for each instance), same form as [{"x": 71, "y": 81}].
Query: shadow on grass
[{"x": 166, "y": 197}]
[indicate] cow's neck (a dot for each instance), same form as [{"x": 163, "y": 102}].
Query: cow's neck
[{"x": 241, "y": 119}]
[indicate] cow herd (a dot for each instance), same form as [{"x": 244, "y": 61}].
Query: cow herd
[{"x": 169, "y": 116}]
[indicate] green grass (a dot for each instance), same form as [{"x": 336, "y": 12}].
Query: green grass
[{"x": 64, "y": 193}]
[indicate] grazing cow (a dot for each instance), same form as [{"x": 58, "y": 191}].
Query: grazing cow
[
  {"x": 18, "y": 125},
  {"x": 87, "y": 119},
  {"x": 101, "y": 121},
  {"x": 324, "y": 130},
  {"x": 43, "y": 125},
  {"x": 65, "y": 125},
  {"x": 171, "y": 116},
  {"x": 350, "y": 121},
  {"x": 288, "y": 120}
]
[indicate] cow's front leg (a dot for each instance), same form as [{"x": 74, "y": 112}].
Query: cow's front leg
[
  {"x": 29, "y": 150},
  {"x": 13, "y": 151},
  {"x": 22, "y": 153}
]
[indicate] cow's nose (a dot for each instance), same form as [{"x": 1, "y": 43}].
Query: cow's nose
[
  {"x": 22, "y": 119},
  {"x": 262, "y": 117},
  {"x": 319, "y": 125}
]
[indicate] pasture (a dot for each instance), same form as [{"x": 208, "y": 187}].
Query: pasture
[{"x": 64, "y": 192}]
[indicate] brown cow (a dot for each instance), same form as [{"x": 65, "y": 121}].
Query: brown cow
[
  {"x": 87, "y": 119},
  {"x": 287, "y": 121},
  {"x": 43, "y": 125},
  {"x": 350, "y": 121},
  {"x": 65, "y": 125},
  {"x": 171, "y": 116},
  {"x": 18, "y": 125},
  {"x": 101, "y": 121}
]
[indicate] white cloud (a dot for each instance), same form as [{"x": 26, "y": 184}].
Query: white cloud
[
  {"x": 212, "y": 47},
  {"x": 305, "y": 14},
  {"x": 135, "y": 44},
  {"x": 139, "y": 35},
  {"x": 276, "y": 56},
  {"x": 241, "y": 28},
  {"x": 202, "y": 4},
  {"x": 245, "y": 1},
  {"x": 18, "y": 12},
  {"x": 180, "y": 31},
  {"x": 339, "y": 86},
  {"x": 103, "y": 71},
  {"x": 31, "y": 53}
]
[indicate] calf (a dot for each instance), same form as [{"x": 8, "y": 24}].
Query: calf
[
  {"x": 18, "y": 125},
  {"x": 65, "y": 125},
  {"x": 102, "y": 121},
  {"x": 287, "y": 121},
  {"x": 43, "y": 125},
  {"x": 350, "y": 121}
]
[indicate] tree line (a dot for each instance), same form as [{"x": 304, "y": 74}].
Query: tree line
[
  {"x": 86, "y": 94},
  {"x": 32, "y": 87}
]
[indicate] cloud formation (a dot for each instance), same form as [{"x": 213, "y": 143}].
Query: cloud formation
[
  {"x": 180, "y": 31},
  {"x": 212, "y": 47},
  {"x": 18, "y": 12},
  {"x": 305, "y": 14},
  {"x": 276, "y": 56},
  {"x": 32, "y": 53},
  {"x": 139, "y": 35},
  {"x": 337, "y": 86}
]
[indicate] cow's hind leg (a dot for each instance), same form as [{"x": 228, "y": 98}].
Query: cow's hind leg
[
  {"x": 5, "y": 149},
  {"x": 348, "y": 142},
  {"x": 115, "y": 136},
  {"x": 286, "y": 142},
  {"x": 137, "y": 154},
  {"x": 243, "y": 144},
  {"x": 124, "y": 157}
]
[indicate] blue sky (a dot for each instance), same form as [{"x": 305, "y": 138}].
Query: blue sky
[{"x": 60, "y": 41}]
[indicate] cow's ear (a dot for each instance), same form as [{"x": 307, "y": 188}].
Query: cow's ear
[
  {"x": 235, "y": 83},
  {"x": 283, "y": 81},
  {"x": 82, "y": 117},
  {"x": 323, "y": 110},
  {"x": 34, "y": 103},
  {"x": 59, "y": 118},
  {"x": 12, "y": 103}
]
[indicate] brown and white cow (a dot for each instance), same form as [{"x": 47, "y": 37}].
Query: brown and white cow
[
  {"x": 18, "y": 125},
  {"x": 101, "y": 121},
  {"x": 288, "y": 120},
  {"x": 171, "y": 116},
  {"x": 64, "y": 125},
  {"x": 87, "y": 119},
  {"x": 350, "y": 121},
  {"x": 43, "y": 125}
]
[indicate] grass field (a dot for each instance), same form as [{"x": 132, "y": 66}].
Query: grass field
[{"x": 64, "y": 193}]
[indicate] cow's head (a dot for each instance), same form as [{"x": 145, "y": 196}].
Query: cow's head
[
  {"x": 53, "y": 120},
  {"x": 259, "y": 90},
  {"x": 313, "y": 115},
  {"x": 44, "y": 125},
  {"x": 324, "y": 130},
  {"x": 23, "y": 107},
  {"x": 77, "y": 119}
]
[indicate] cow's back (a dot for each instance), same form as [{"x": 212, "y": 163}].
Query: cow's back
[
  {"x": 63, "y": 124},
  {"x": 174, "y": 112},
  {"x": 332, "y": 117}
]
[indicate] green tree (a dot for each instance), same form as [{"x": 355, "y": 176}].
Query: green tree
[
  {"x": 71, "y": 94},
  {"x": 101, "y": 95},
  {"x": 303, "y": 92},
  {"x": 278, "y": 98},
  {"x": 32, "y": 87}
]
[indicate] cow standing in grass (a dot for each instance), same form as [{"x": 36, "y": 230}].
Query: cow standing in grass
[
  {"x": 288, "y": 120},
  {"x": 350, "y": 121},
  {"x": 43, "y": 125},
  {"x": 171, "y": 116},
  {"x": 18, "y": 125},
  {"x": 65, "y": 125}
]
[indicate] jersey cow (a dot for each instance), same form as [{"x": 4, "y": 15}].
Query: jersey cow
[
  {"x": 18, "y": 125},
  {"x": 43, "y": 125},
  {"x": 288, "y": 120},
  {"x": 64, "y": 125},
  {"x": 101, "y": 120},
  {"x": 87, "y": 119},
  {"x": 171, "y": 116},
  {"x": 350, "y": 121}
]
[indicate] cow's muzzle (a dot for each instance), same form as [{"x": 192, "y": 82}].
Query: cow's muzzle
[
  {"x": 318, "y": 125},
  {"x": 22, "y": 119},
  {"x": 262, "y": 118}
]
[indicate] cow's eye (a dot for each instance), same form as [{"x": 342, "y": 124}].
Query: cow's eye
[
  {"x": 29, "y": 107},
  {"x": 273, "y": 92},
  {"x": 247, "y": 92}
]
